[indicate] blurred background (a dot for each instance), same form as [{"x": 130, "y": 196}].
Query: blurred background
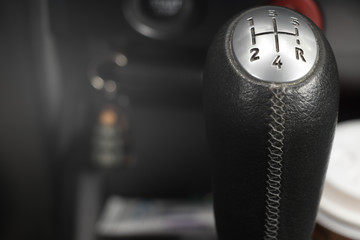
[{"x": 101, "y": 111}]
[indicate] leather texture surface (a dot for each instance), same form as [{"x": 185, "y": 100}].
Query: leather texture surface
[{"x": 239, "y": 112}]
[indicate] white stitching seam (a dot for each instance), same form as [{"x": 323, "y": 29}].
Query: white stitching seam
[{"x": 273, "y": 183}]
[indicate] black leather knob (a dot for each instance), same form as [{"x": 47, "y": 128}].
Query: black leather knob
[{"x": 271, "y": 100}]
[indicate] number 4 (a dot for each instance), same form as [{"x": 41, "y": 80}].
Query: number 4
[{"x": 277, "y": 62}]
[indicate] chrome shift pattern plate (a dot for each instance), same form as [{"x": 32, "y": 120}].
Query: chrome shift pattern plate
[{"x": 274, "y": 44}]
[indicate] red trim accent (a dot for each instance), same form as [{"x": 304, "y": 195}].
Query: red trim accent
[{"x": 308, "y": 8}]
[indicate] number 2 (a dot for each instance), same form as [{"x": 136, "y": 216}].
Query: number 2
[{"x": 255, "y": 52}]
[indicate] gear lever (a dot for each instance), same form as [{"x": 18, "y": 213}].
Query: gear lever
[{"x": 271, "y": 101}]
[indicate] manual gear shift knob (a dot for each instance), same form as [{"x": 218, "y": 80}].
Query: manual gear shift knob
[{"x": 271, "y": 101}]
